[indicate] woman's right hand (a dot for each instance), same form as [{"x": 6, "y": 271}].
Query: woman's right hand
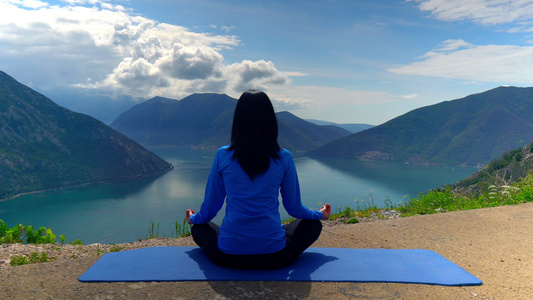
[{"x": 326, "y": 211}]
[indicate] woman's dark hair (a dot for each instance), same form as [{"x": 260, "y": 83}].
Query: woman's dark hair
[{"x": 254, "y": 135}]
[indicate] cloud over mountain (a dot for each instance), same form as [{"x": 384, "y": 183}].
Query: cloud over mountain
[{"x": 95, "y": 44}]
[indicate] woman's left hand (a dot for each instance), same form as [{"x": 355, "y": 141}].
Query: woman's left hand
[
  {"x": 188, "y": 215},
  {"x": 326, "y": 211}
]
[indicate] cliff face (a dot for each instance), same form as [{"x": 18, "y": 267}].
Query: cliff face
[{"x": 45, "y": 146}]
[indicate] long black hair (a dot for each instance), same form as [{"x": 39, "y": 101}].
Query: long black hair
[{"x": 254, "y": 135}]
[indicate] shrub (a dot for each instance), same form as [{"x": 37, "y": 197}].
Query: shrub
[
  {"x": 11, "y": 235},
  {"x": 25, "y": 233},
  {"x": 40, "y": 236}
]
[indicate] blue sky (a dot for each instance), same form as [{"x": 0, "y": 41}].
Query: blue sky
[{"x": 341, "y": 61}]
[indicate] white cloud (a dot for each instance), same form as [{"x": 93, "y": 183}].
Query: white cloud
[
  {"x": 28, "y": 3},
  {"x": 294, "y": 74},
  {"x": 227, "y": 28},
  {"x": 450, "y": 45},
  {"x": 93, "y": 44},
  {"x": 457, "y": 59},
  {"x": 254, "y": 75},
  {"x": 486, "y": 12},
  {"x": 410, "y": 96},
  {"x": 192, "y": 62}
]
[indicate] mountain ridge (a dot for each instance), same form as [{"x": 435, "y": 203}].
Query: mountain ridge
[
  {"x": 204, "y": 121},
  {"x": 469, "y": 131}
]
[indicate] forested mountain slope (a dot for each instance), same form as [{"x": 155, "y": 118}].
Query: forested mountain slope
[{"x": 45, "y": 146}]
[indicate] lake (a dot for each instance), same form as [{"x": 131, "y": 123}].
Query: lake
[{"x": 123, "y": 212}]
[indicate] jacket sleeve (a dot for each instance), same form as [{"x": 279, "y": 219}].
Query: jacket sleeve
[
  {"x": 215, "y": 193},
  {"x": 290, "y": 194}
]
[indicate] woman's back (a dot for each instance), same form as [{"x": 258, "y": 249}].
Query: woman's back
[{"x": 252, "y": 223}]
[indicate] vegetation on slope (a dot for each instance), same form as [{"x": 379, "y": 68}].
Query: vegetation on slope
[{"x": 45, "y": 146}]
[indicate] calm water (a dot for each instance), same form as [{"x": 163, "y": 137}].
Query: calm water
[{"x": 122, "y": 212}]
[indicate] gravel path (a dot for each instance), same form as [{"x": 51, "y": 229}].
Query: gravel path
[{"x": 494, "y": 244}]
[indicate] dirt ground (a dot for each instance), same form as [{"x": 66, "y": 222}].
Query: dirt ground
[{"x": 494, "y": 244}]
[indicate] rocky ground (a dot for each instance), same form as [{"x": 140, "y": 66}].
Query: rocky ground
[{"x": 493, "y": 244}]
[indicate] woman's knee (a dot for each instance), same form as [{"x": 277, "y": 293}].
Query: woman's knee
[
  {"x": 302, "y": 233},
  {"x": 308, "y": 228}
]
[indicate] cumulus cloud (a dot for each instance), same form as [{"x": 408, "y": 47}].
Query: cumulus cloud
[
  {"x": 486, "y": 12},
  {"x": 458, "y": 59},
  {"x": 254, "y": 75},
  {"x": 193, "y": 62},
  {"x": 97, "y": 45}
]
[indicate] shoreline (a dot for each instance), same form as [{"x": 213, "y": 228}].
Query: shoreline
[{"x": 138, "y": 177}]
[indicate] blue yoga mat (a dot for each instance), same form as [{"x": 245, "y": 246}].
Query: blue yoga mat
[{"x": 315, "y": 264}]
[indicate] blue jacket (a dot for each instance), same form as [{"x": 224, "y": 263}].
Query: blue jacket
[{"x": 252, "y": 224}]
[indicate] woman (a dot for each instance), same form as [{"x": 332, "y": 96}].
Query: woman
[{"x": 250, "y": 173}]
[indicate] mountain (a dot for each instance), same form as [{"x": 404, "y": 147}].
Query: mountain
[
  {"x": 352, "y": 127},
  {"x": 469, "y": 131},
  {"x": 195, "y": 121},
  {"x": 298, "y": 135},
  {"x": 45, "y": 146},
  {"x": 204, "y": 121}
]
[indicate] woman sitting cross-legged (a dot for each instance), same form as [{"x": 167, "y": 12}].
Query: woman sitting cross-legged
[{"x": 249, "y": 175}]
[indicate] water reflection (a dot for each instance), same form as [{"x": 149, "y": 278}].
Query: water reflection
[
  {"x": 122, "y": 212},
  {"x": 397, "y": 176},
  {"x": 351, "y": 182}
]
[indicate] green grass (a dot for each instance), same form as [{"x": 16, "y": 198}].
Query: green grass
[
  {"x": 183, "y": 229},
  {"x": 364, "y": 208},
  {"x": 34, "y": 257},
  {"x": 153, "y": 230},
  {"x": 116, "y": 249},
  {"x": 439, "y": 201},
  {"x": 76, "y": 242},
  {"x": 443, "y": 200}
]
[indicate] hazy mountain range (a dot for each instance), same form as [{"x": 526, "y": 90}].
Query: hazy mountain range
[
  {"x": 45, "y": 146},
  {"x": 204, "y": 121},
  {"x": 352, "y": 127},
  {"x": 102, "y": 106},
  {"x": 469, "y": 131}
]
